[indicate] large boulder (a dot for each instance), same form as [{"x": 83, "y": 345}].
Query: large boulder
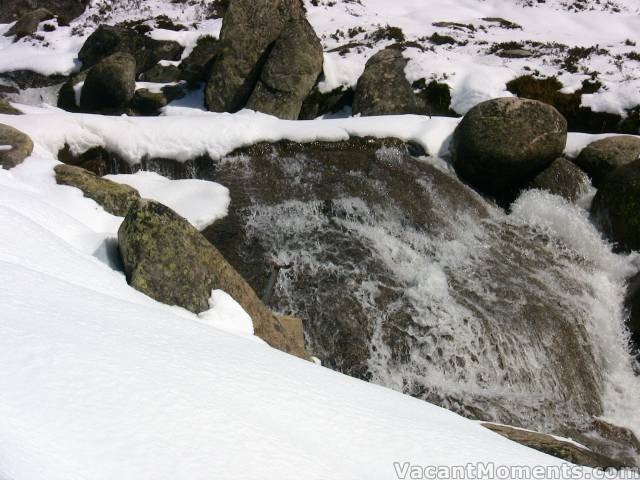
[
  {"x": 107, "y": 40},
  {"x": 166, "y": 258},
  {"x": 15, "y": 146},
  {"x": 110, "y": 85},
  {"x": 383, "y": 88},
  {"x": 633, "y": 306},
  {"x": 501, "y": 144},
  {"x": 602, "y": 157},
  {"x": 290, "y": 72},
  {"x": 29, "y": 22},
  {"x": 562, "y": 178},
  {"x": 196, "y": 67},
  {"x": 249, "y": 29},
  {"x": 65, "y": 10},
  {"x": 616, "y": 207},
  {"x": 115, "y": 198}
]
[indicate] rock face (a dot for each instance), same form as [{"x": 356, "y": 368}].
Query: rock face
[
  {"x": 633, "y": 305},
  {"x": 29, "y": 22},
  {"x": 562, "y": 178},
  {"x": 616, "y": 207},
  {"x": 501, "y": 144},
  {"x": 107, "y": 40},
  {"x": 383, "y": 88},
  {"x": 65, "y": 10},
  {"x": 602, "y": 157},
  {"x": 196, "y": 67},
  {"x": 166, "y": 258},
  {"x": 114, "y": 197},
  {"x": 290, "y": 71},
  {"x": 110, "y": 85},
  {"x": 249, "y": 30},
  {"x": 15, "y": 146}
]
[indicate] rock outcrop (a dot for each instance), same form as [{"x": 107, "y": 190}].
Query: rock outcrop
[
  {"x": 15, "y": 146},
  {"x": 602, "y": 157},
  {"x": 616, "y": 207},
  {"x": 110, "y": 85},
  {"x": 29, "y": 22},
  {"x": 501, "y": 144},
  {"x": 166, "y": 258},
  {"x": 383, "y": 88},
  {"x": 562, "y": 178},
  {"x": 115, "y": 198}
]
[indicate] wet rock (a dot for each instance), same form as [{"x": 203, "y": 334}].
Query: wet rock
[
  {"x": 162, "y": 74},
  {"x": 562, "y": 178},
  {"x": 249, "y": 29},
  {"x": 616, "y": 207},
  {"x": 290, "y": 71},
  {"x": 7, "y": 109},
  {"x": 383, "y": 88},
  {"x": 110, "y": 85},
  {"x": 501, "y": 144},
  {"x": 602, "y": 157},
  {"x": 115, "y": 198},
  {"x": 65, "y": 10},
  {"x": 197, "y": 66},
  {"x": 15, "y": 146},
  {"x": 633, "y": 306},
  {"x": 166, "y": 258},
  {"x": 107, "y": 40},
  {"x": 29, "y": 22},
  {"x": 555, "y": 447}
]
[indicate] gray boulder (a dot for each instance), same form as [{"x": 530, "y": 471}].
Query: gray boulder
[
  {"x": 562, "y": 178},
  {"x": 602, "y": 157},
  {"x": 616, "y": 207},
  {"x": 196, "y": 67},
  {"x": 501, "y": 144},
  {"x": 110, "y": 85},
  {"x": 15, "y": 146},
  {"x": 249, "y": 29},
  {"x": 290, "y": 72},
  {"x": 115, "y": 198},
  {"x": 29, "y": 22},
  {"x": 383, "y": 88},
  {"x": 166, "y": 258}
]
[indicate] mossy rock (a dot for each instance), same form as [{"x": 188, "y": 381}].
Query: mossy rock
[
  {"x": 168, "y": 259},
  {"x": 562, "y": 178},
  {"x": 602, "y": 157},
  {"x": 115, "y": 198},
  {"x": 110, "y": 85},
  {"x": 7, "y": 109},
  {"x": 15, "y": 146}
]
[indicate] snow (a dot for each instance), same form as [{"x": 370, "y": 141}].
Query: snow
[
  {"x": 199, "y": 201},
  {"x": 4, "y": 148},
  {"x": 226, "y": 314}
]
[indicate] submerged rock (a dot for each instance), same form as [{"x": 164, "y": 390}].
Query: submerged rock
[
  {"x": 110, "y": 85},
  {"x": 562, "y": 178},
  {"x": 383, "y": 88},
  {"x": 115, "y": 198},
  {"x": 501, "y": 144},
  {"x": 15, "y": 146},
  {"x": 166, "y": 258},
  {"x": 602, "y": 157}
]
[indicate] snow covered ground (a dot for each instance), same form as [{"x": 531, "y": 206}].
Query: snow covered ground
[{"x": 101, "y": 382}]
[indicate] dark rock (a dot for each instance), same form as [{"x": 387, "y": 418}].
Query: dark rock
[
  {"x": 249, "y": 29},
  {"x": 501, "y": 144},
  {"x": 25, "y": 79},
  {"x": 146, "y": 102},
  {"x": 616, "y": 206},
  {"x": 318, "y": 103},
  {"x": 383, "y": 88},
  {"x": 21, "y": 147},
  {"x": 7, "y": 109},
  {"x": 69, "y": 93},
  {"x": 562, "y": 178},
  {"x": 196, "y": 67},
  {"x": 435, "y": 96},
  {"x": 290, "y": 72},
  {"x": 162, "y": 74},
  {"x": 633, "y": 306},
  {"x": 115, "y": 198},
  {"x": 602, "y": 157},
  {"x": 166, "y": 258},
  {"x": 555, "y": 447},
  {"x": 110, "y": 85},
  {"x": 65, "y": 10},
  {"x": 29, "y": 22},
  {"x": 107, "y": 40}
]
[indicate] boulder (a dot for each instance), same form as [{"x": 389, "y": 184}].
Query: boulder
[
  {"x": 196, "y": 67},
  {"x": 290, "y": 72},
  {"x": 501, "y": 144},
  {"x": 633, "y": 306},
  {"x": 69, "y": 93},
  {"x": 15, "y": 146},
  {"x": 562, "y": 178},
  {"x": 110, "y": 85},
  {"x": 7, "y": 109},
  {"x": 107, "y": 40},
  {"x": 65, "y": 10},
  {"x": 29, "y": 22},
  {"x": 602, "y": 157},
  {"x": 146, "y": 102},
  {"x": 616, "y": 207},
  {"x": 115, "y": 198},
  {"x": 162, "y": 74},
  {"x": 383, "y": 88},
  {"x": 249, "y": 29},
  {"x": 166, "y": 258}
]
